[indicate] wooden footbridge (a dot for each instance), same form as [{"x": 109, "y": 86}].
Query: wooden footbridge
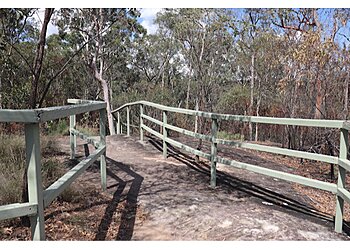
[{"x": 39, "y": 198}]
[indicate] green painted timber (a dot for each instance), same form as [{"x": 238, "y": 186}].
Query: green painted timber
[
  {"x": 177, "y": 129},
  {"x": 118, "y": 123},
  {"x": 62, "y": 183},
  {"x": 23, "y": 115},
  {"x": 344, "y": 163},
  {"x": 80, "y": 101},
  {"x": 85, "y": 137},
  {"x": 47, "y": 114},
  {"x": 151, "y": 131},
  {"x": 345, "y": 194},
  {"x": 141, "y": 122},
  {"x": 188, "y": 149},
  {"x": 214, "y": 150},
  {"x": 281, "y": 151},
  {"x": 17, "y": 210},
  {"x": 35, "y": 186},
  {"x": 280, "y": 175},
  {"x": 254, "y": 119},
  {"x": 151, "y": 119},
  {"x": 128, "y": 121},
  {"x": 178, "y": 144},
  {"x": 38, "y": 198},
  {"x": 187, "y": 132},
  {"x": 165, "y": 135},
  {"x": 103, "y": 170},
  {"x": 343, "y": 154},
  {"x": 52, "y": 113},
  {"x": 72, "y": 136}
]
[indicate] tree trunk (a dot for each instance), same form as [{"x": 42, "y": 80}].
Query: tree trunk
[
  {"x": 98, "y": 72},
  {"x": 38, "y": 61},
  {"x": 200, "y": 121},
  {"x": 0, "y": 94},
  {"x": 319, "y": 98},
  {"x": 33, "y": 96},
  {"x": 250, "y": 110},
  {"x": 196, "y": 118},
  {"x": 106, "y": 97},
  {"x": 257, "y": 114},
  {"x": 188, "y": 89},
  {"x": 346, "y": 98}
]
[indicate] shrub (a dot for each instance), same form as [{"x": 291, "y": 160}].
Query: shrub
[
  {"x": 12, "y": 165},
  {"x": 229, "y": 136},
  {"x": 59, "y": 127}
]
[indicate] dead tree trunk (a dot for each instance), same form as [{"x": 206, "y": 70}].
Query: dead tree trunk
[
  {"x": 250, "y": 110},
  {"x": 346, "y": 98},
  {"x": 106, "y": 97},
  {"x": 38, "y": 61},
  {"x": 258, "y": 102},
  {"x": 319, "y": 97}
]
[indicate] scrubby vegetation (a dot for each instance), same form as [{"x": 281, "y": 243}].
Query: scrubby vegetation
[{"x": 12, "y": 165}]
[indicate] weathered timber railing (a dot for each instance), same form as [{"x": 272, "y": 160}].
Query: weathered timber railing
[
  {"x": 343, "y": 163},
  {"x": 39, "y": 198}
]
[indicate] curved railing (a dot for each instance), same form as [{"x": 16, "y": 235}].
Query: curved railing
[{"x": 342, "y": 194}]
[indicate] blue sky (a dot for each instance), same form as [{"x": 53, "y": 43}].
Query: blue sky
[
  {"x": 146, "y": 20},
  {"x": 149, "y": 14},
  {"x": 147, "y": 17}
]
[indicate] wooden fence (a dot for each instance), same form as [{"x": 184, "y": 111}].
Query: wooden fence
[
  {"x": 39, "y": 198},
  {"x": 341, "y": 193}
]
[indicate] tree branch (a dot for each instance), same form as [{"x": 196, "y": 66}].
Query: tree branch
[{"x": 63, "y": 68}]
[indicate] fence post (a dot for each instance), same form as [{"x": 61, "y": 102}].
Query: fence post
[
  {"x": 103, "y": 144},
  {"x": 128, "y": 121},
  {"x": 118, "y": 123},
  {"x": 35, "y": 187},
  {"x": 73, "y": 137},
  {"x": 165, "y": 135},
  {"x": 141, "y": 122},
  {"x": 214, "y": 149},
  {"x": 343, "y": 154}
]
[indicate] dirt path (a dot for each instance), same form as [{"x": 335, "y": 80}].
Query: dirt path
[
  {"x": 150, "y": 198},
  {"x": 179, "y": 204}
]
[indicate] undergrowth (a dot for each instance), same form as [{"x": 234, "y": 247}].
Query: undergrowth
[{"x": 12, "y": 166}]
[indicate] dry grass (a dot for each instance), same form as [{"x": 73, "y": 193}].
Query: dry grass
[{"x": 12, "y": 165}]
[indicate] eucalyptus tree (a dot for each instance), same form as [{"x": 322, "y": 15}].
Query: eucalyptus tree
[
  {"x": 39, "y": 57},
  {"x": 17, "y": 33},
  {"x": 105, "y": 36},
  {"x": 205, "y": 37}
]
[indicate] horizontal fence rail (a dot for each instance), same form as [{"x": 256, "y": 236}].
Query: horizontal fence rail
[
  {"x": 39, "y": 198},
  {"x": 242, "y": 118},
  {"x": 339, "y": 189}
]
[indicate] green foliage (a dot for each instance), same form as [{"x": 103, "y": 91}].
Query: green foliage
[
  {"x": 88, "y": 130},
  {"x": 234, "y": 101},
  {"x": 58, "y": 127},
  {"x": 72, "y": 194},
  {"x": 229, "y": 136},
  {"x": 12, "y": 165}
]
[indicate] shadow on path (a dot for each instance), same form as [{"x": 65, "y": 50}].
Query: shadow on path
[
  {"x": 128, "y": 213},
  {"x": 282, "y": 202}
]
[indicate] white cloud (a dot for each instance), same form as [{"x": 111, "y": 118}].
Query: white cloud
[
  {"x": 39, "y": 17},
  {"x": 147, "y": 19}
]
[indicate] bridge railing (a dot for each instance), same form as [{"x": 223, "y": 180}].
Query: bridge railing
[
  {"x": 341, "y": 193},
  {"x": 39, "y": 198}
]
